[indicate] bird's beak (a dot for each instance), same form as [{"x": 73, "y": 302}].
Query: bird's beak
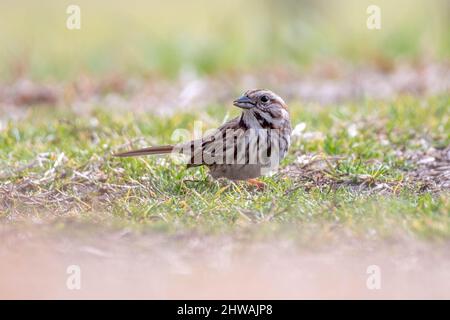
[{"x": 244, "y": 102}]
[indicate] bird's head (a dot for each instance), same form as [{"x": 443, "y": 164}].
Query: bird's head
[
  {"x": 261, "y": 99},
  {"x": 264, "y": 105}
]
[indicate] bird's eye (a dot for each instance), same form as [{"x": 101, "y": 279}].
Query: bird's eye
[{"x": 264, "y": 99}]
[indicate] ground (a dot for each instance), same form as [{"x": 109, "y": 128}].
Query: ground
[{"x": 367, "y": 177}]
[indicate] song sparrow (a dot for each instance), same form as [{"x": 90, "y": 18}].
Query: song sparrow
[{"x": 243, "y": 147}]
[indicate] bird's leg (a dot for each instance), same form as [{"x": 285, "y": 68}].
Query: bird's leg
[{"x": 256, "y": 183}]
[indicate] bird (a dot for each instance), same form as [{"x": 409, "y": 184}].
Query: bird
[{"x": 243, "y": 148}]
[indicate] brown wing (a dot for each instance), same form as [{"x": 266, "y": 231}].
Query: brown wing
[
  {"x": 198, "y": 149},
  {"x": 208, "y": 146}
]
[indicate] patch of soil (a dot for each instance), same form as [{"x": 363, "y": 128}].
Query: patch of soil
[
  {"x": 432, "y": 169},
  {"x": 318, "y": 84},
  {"x": 318, "y": 171}
]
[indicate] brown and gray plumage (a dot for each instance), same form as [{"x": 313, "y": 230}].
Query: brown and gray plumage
[{"x": 263, "y": 128}]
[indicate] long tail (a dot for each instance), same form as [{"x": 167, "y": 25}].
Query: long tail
[{"x": 145, "y": 151}]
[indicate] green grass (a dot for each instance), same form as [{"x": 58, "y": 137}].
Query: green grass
[
  {"x": 156, "y": 193},
  {"x": 170, "y": 37}
]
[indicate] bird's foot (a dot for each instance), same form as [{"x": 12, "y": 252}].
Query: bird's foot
[{"x": 257, "y": 184}]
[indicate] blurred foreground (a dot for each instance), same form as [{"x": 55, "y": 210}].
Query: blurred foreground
[{"x": 187, "y": 266}]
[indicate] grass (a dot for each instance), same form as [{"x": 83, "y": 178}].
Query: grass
[
  {"x": 174, "y": 37},
  {"x": 356, "y": 167},
  {"x": 356, "y": 175}
]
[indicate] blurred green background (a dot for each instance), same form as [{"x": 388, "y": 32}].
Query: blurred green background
[{"x": 168, "y": 37}]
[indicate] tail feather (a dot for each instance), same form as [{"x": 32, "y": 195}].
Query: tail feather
[{"x": 145, "y": 151}]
